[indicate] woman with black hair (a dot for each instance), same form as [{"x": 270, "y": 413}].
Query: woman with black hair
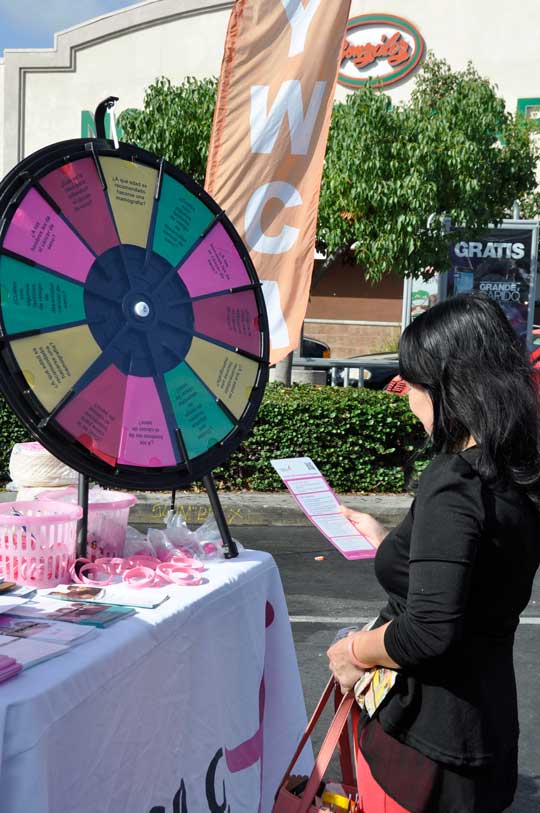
[{"x": 458, "y": 572}]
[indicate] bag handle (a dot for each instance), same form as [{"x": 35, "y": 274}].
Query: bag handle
[
  {"x": 355, "y": 719},
  {"x": 328, "y": 747},
  {"x": 331, "y": 739},
  {"x": 310, "y": 726},
  {"x": 344, "y": 747}
]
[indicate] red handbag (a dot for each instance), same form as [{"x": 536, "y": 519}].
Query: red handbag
[{"x": 346, "y": 797}]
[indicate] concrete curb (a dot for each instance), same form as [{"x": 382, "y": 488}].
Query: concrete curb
[
  {"x": 259, "y": 508},
  {"x": 252, "y": 507}
]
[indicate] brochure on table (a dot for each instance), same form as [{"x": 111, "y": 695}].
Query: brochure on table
[
  {"x": 58, "y": 633},
  {"x": 321, "y": 506},
  {"x": 29, "y": 651},
  {"x": 119, "y": 594},
  {"x": 96, "y": 615}
]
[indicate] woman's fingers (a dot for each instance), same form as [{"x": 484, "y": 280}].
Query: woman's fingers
[
  {"x": 366, "y": 524},
  {"x": 355, "y": 516}
]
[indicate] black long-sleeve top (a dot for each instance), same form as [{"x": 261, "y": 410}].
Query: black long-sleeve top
[{"x": 458, "y": 572}]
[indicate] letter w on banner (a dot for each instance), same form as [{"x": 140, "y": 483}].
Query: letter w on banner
[{"x": 268, "y": 142}]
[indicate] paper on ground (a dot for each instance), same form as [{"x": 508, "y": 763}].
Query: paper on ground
[{"x": 321, "y": 506}]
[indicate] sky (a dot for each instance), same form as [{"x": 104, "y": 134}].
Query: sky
[{"x": 33, "y": 23}]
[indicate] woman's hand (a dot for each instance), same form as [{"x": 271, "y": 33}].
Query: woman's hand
[
  {"x": 366, "y": 524},
  {"x": 345, "y": 672}
]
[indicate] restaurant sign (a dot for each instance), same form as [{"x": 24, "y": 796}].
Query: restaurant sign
[{"x": 382, "y": 48}]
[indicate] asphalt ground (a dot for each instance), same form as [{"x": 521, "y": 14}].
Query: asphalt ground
[{"x": 324, "y": 596}]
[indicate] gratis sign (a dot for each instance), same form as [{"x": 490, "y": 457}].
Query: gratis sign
[
  {"x": 380, "y": 48},
  {"x": 502, "y": 264}
]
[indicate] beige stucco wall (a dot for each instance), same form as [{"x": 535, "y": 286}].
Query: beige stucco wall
[
  {"x": 497, "y": 36},
  {"x": 119, "y": 54},
  {"x": 123, "y": 67}
]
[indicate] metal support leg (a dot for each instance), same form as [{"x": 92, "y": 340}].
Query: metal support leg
[
  {"x": 82, "y": 524},
  {"x": 229, "y": 545}
]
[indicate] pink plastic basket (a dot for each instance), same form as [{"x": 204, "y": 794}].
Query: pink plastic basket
[
  {"x": 107, "y": 519},
  {"x": 37, "y": 542}
]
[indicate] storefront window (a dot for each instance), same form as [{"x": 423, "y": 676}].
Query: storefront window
[{"x": 530, "y": 108}]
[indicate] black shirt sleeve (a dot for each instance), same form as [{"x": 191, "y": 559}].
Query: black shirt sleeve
[{"x": 447, "y": 527}]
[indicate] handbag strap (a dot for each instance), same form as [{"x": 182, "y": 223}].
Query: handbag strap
[
  {"x": 310, "y": 726},
  {"x": 355, "y": 720},
  {"x": 344, "y": 747},
  {"x": 327, "y": 749}
]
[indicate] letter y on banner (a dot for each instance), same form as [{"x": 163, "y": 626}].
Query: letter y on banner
[{"x": 269, "y": 137}]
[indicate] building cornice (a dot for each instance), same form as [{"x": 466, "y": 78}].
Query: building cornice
[{"x": 19, "y": 63}]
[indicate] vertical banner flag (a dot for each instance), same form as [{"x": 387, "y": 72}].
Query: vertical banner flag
[{"x": 269, "y": 136}]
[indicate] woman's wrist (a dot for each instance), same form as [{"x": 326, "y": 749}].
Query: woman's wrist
[{"x": 352, "y": 655}]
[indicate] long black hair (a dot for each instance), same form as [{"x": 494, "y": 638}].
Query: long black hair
[{"x": 477, "y": 372}]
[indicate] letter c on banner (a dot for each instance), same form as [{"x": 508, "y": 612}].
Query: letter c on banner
[{"x": 255, "y": 237}]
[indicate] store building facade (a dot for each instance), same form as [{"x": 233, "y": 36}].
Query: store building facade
[{"x": 48, "y": 95}]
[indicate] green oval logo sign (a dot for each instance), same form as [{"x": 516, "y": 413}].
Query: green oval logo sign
[{"x": 380, "y": 48}]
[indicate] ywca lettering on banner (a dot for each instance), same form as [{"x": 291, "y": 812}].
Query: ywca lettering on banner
[{"x": 268, "y": 142}]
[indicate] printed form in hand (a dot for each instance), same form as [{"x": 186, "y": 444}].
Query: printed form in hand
[{"x": 321, "y": 506}]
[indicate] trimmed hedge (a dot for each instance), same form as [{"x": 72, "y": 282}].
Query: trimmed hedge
[{"x": 361, "y": 439}]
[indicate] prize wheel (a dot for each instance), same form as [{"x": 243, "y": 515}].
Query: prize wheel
[{"x": 134, "y": 332}]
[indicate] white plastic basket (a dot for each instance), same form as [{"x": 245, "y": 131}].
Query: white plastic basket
[
  {"x": 108, "y": 514},
  {"x": 37, "y": 542}
]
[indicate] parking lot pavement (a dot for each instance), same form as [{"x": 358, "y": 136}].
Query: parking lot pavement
[{"x": 325, "y": 595}]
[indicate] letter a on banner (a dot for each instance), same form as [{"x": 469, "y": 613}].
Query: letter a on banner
[{"x": 266, "y": 155}]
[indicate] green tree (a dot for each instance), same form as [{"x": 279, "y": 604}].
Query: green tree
[
  {"x": 176, "y": 122},
  {"x": 452, "y": 151}
]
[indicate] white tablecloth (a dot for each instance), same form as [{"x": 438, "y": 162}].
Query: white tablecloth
[{"x": 193, "y": 707}]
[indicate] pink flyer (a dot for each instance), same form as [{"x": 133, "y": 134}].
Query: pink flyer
[{"x": 321, "y": 506}]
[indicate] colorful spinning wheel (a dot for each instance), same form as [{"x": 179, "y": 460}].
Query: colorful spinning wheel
[{"x": 134, "y": 332}]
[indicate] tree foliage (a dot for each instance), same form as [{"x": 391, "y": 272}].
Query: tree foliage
[
  {"x": 452, "y": 151},
  {"x": 176, "y": 122}
]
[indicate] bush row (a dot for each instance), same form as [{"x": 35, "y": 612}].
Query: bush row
[{"x": 361, "y": 439}]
